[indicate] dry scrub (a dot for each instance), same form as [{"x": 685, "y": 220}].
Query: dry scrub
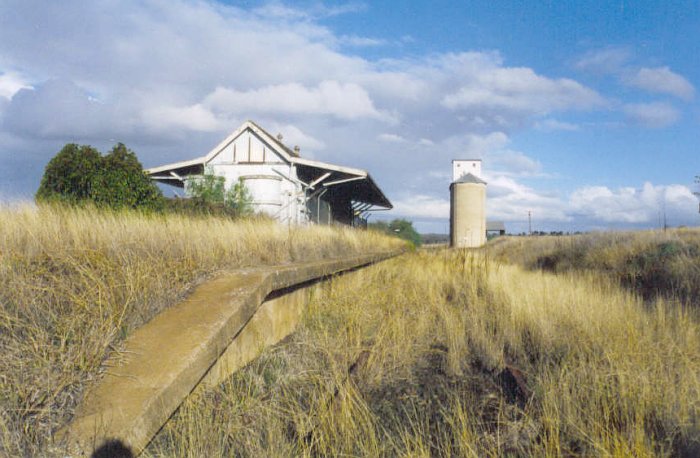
[
  {"x": 651, "y": 263},
  {"x": 75, "y": 282},
  {"x": 407, "y": 358}
]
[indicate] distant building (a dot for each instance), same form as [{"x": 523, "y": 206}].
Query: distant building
[
  {"x": 282, "y": 184},
  {"x": 495, "y": 228}
]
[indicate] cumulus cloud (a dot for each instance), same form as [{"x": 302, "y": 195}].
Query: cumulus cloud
[
  {"x": 520, "y": 90},
  {"x": 359, "y": 42},
  {"x": 343, "y": 100},
  {"x": 655, "y": 114},
  {"x": 194, "y": 117},
  {"x": 422, "y": 206},
  {"x": 550, "y": 125},
  {"x": 662, "y": 80},
  {"x": 630, "y": 205},
  {"x": 11, "y": 83},
  {"x": 60, "y": 109},
  {"x": 474, "y": 146},
  {"x": 294, "y": 136},
  {"x": 391, "y": 138},
  {"x": 589, "y": 206},
  {"x": 611, "y": 60},
  {"x": 513, "y": 162},
  {"x": 312, "y": 11}
]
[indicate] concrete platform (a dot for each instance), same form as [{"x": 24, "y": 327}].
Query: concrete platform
[{"x": 167, "y": 358}]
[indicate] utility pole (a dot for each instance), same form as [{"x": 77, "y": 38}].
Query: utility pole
[
  {"x": 529, "y": 222},
  {"x": 665, "y": 225},
  {"x": 697, "y": 193}
]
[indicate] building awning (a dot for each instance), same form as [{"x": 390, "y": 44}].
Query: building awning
[
  {"x": 175, "y": 174},
  {"x": 344, "y": 183}
]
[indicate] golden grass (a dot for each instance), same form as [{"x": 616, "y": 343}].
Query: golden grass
[
  {"x": 75, "y": 282},
  {"x": 651, "y": 263},
  {"x": 609, "y": 374}
]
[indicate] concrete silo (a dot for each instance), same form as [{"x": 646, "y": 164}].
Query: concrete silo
[{"x": 467, "y": 205}]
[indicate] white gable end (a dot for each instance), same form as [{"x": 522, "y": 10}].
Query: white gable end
[{"x": 247, "y": 147}]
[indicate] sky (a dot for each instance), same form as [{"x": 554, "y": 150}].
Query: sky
[{"x": 585, "y": 113}]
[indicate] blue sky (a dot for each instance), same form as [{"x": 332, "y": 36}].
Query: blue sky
[{"x": 585, "y": 113}]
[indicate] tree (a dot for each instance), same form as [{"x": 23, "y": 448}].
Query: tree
[
  {"x": 399, "y": 228},
  {"x": 121, "y": 182},
  {"x": 79, "y": 173},
  {"x": 69, "y": 175}
]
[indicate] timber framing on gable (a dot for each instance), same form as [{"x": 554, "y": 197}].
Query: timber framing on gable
[{"x": 250, "y": 147}]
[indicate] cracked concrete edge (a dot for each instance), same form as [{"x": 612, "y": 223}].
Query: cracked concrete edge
[{"x": 133, "y": 401}]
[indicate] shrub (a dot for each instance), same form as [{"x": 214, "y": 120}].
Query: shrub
[
  {"x": 209, "y": 191},
  {"x": 239, "y": 198},
  {"x": 400, "y": 228},
  {"x": 121, "y": 182},
  {"x": 78, "y": 173},
  {"x": 69, "y": 175},
  {"x": 208, "y": 188}
]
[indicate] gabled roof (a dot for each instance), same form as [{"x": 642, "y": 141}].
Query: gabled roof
[
  {"x": 274, "y": 140},
  {"x": 355, "y": 182},
  {"x": 286, "y": 153},
  {"x": 469, "y": 178}
]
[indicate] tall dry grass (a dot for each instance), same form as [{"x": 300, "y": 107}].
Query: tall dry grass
[
  {"x": 651, "y": 263},
  {"x": 406, "y": 358},
  {"x": 75, "y": 282}
]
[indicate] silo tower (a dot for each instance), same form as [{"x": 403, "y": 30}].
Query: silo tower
[{"x": 467, "y": 204}]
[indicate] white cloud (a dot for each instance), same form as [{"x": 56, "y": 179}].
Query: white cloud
[
  {"x": 342, "y": 100},
  {"x": 513, "y": 162},
  {"x": 588, "y": 206},
  {"x": 474, "y": 146},
  {"x": 195, "y": 117},
  {"x": 60, "y": 109},
  {"x": 605, "y": 61},
  {"x": 11, "y": 83},
  {"x": 662, "y": 80},
  {"x": 630, "y": 205},
  {"x": 360, "y": 42},
  {"x": 655, "y": 114},
  {"x": 510, "y": 200},
  {"x": 294, "y": 136},
  {"x": 521, "y": 90},
  {"x": 550, "y": 125},
  {"x": 422, "y": 206},
  {"x": 317, "y": 10},
  {"x": 391, "y": 138}
]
